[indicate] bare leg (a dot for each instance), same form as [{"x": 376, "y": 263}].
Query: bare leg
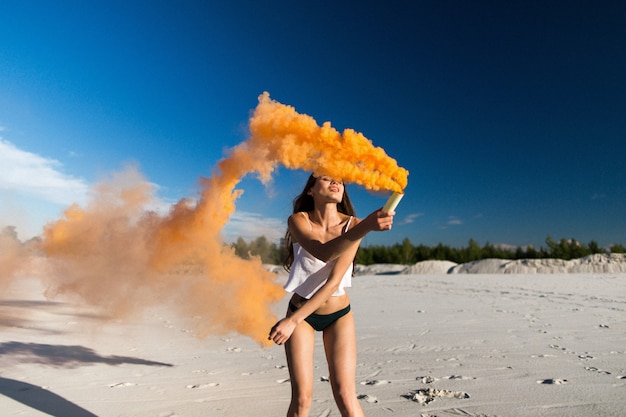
[
  {"x": 299, "y": 351},
  {"x": 340, "y": 347}
]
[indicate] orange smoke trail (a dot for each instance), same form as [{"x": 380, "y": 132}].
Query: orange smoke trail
[
  {"x": 296, "y": 141},
  {"x": 118, "y": 255}
]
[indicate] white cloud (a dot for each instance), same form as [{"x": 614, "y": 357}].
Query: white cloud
[
  {"x": 410, "y": 218},
  {"x": 34, "y": 190},
  {"x": 35, "y": 176},
  {"x": 249, "y": 226},
  {"x": 454, "y": 221}
]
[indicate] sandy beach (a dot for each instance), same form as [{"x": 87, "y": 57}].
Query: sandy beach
[{"x": 429, "y": 344}]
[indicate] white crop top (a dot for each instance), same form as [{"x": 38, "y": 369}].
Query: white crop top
[{"x": 308, "y": 274}]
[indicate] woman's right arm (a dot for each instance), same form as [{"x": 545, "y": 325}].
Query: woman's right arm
[
  {"x": 283, "y": 329},
  {"x": 327, "y": 251}
]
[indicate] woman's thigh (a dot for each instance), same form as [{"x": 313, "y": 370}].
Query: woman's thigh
[
  {"x": 340, "y": 347},
  {"x": 299, "y": 351}
]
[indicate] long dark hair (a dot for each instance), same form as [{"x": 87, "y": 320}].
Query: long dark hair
[{"x": 304, "y": 202}]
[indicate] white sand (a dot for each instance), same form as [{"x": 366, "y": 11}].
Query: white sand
[{"x": 493, "y": 344}]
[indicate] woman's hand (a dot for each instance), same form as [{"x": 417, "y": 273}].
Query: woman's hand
[
  {"x": 281, "y": 331},
  {"x": 379, "y": 220}
]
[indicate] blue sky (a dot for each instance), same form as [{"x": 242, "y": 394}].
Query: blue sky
[{"x": 509, "y": 116}]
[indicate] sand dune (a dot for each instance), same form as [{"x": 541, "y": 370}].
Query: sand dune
[{"x": 598, "y": 263}]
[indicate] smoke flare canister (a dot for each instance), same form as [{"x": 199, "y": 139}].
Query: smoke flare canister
[{"x": 393, "y": 201}]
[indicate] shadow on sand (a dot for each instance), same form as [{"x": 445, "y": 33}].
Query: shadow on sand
[
  {"x": 58, "y": 356},
  {"x": 66, "y": 356},
  {"x": 41, "y": 399}
]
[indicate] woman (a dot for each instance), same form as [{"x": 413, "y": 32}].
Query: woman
[{"x": 323, "y": 237}]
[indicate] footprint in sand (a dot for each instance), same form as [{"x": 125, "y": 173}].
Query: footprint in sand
[
  {"x": 458, "y": 377},
  {"x": 376, "y": 382},
  {"x": 425, "y": 396},
  {"x": 211, "y": 384},
  {"x": 557, "y": 347},
  {"x": 368, "y": 398},
  {"x": 621, "y": 377},
  {"x": 594, "y": 369},
  {"x": 122, "y": 385},
  {"x": 552, "y": 381},
  {"x": 426, "y": 379},
  {"x": 168, "y": 414},
  {"x": 460, "y": 412}
]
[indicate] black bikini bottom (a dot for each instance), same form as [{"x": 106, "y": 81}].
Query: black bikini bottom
[{"x": 321, "y": 321}]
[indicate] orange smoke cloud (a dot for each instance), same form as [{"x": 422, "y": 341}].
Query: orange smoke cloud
[
  {"x": 11, "y": 255},
  {"x": 117, "y": 254},
  {"x": 121, "y": 257},
  {"x": 282, "y": 135}
]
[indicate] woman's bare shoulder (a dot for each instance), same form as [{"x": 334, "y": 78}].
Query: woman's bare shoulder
[
  {"x": 299, "y": 223},
  {"x": 298, "y": 217}
]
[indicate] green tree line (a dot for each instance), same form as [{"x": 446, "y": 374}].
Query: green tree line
[{"x": 408, "y": 253}]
